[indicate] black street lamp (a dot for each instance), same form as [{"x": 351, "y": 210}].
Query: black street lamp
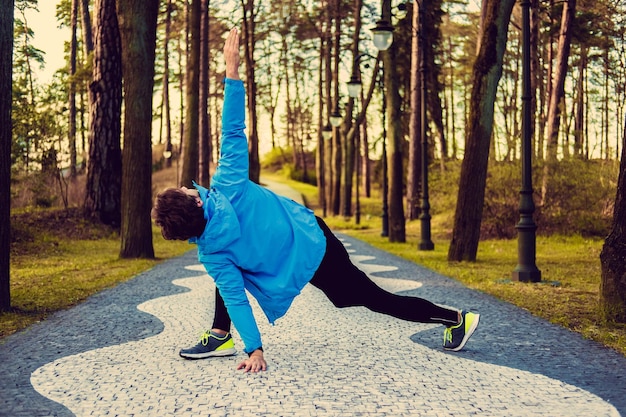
[
  {"x": 526, "y": 270},
  {"x": 382, "y": 35},
  {"x": 425, "y": 243},
  {"x": 335, "y": 117}
]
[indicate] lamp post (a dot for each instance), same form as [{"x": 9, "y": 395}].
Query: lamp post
[
  {"x": 425, "y": 243},
  {"x": 354, "y": 91},
  {"x": 327, "y": 133},
  {"x": 526, "y": 270},
  {"x": 382, "y": 39}
]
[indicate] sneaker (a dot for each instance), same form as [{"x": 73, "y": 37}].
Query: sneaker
[
  {"x": 210, "y": 345},
  {"x": 455, "y": 337}
]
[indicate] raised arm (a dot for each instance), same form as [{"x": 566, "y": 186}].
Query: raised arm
[
  {"x": 231, "y": 55},
  {"x": 232, "y": 169}
]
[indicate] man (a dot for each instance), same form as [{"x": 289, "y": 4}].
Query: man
[{"x": 252, "y": 239}]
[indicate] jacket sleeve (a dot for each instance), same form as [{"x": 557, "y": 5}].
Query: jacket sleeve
[
  {"x": 232, "y": 168},
  {"x": 229, "y": 281}
]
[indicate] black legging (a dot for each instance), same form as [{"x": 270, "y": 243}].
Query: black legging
[
  {"x": 347, "y": 286},
  {"x": 221, "y": 320}
]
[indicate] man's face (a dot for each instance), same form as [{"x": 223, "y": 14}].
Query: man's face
[{"x": 194, "y": 193}]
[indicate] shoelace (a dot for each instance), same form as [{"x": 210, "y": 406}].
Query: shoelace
[
  {"x": 206, "y": 336},
  {"x": 204, "y": 339},
  {"x": 447, "y": 335}
]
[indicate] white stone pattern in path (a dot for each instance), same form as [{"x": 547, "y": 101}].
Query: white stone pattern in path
[{"x": 323, "y": 361}]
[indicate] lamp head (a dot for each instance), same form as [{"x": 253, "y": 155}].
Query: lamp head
[
  {"x": 382, "y": 35},
  {"x": 354, "y": 86}
]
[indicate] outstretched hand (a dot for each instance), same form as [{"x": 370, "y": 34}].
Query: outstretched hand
[
  {"x": 231, "y": 54},
  {"x": 254, "y": 363}
]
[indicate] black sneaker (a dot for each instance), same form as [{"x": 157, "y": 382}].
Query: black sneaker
[
  {"x": 210, "y": 345},
  {"x": 455, "y": 337}
]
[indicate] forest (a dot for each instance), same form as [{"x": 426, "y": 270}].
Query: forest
[{"x": 355, "y": 96}]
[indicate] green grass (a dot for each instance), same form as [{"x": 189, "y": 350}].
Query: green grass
[
  {"x": 568, "y": 294},
  {"x": 64, "y": 272}
]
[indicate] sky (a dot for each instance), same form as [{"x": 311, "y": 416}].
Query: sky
[{"x": 48, "y": 37}]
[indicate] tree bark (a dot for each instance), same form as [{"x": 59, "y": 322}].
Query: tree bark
[
  {"x": 204, "y": 165},
  {"x": 6, "y": 70},
  {"x": 579, "y": 104},
  {"x": 486, "y": 74},
  {"x": 319, "y": 152},
  {"x": 190, "y": 140},
  {"x": 613, "y": 254},
  {"x": 536, "y": 73},
  {"x": 329, "y": 168},
  {"x": 415, "y": 126},
  {"x": 138, "y": 22},
  {"x": 397, "y": 230},
  {"x": 349, "y": 129},
  {"x": 337, "y": 139},
  {"x": 86, "y": 27},
  {"x": 72, "y": 88},
  {"x": 166, "y": 85},
  {"x": 251, "y": 87},
  {"x": 87, "y": 32},
  {"x": 104, "y": 173}
]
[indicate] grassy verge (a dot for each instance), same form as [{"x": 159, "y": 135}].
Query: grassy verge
[
  {"x": 568, "y": 294},
  {"x": 63, "y": 272}
]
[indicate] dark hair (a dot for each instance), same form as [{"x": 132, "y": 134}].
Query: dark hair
[{"x": 178, "y": 215}]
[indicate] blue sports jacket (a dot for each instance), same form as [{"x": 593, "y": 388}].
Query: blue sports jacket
[{"x": 254, "y": 239}]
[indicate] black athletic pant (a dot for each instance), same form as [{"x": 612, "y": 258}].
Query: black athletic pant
[{"x": 347, "y": 286}]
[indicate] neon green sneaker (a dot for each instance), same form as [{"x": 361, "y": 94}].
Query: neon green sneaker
[
  {"x": 455, "y": 337},
  {"x": 210, "y": 345}
]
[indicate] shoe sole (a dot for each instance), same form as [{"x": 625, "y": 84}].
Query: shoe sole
[
  {"x": 468, "y": 334},
  {"x": 214, "y": 354}
]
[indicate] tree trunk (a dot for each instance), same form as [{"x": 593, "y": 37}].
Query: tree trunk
[
  {"x": 319, "y": 154},
  {"x": 190, "y": 140},
  {"x": 613, "y": 282},
  {"x": 138, "y": 22},
  {"x": 557, "y": 94},
  {"x": 432, "y": 33},
  {"x": 486, "y": 74},
  {"x": 337, "y": 139},
  {"x": 415, "y": 127},
  {"x": 253, "y": 136},
  {"x": 72, "y": 88},
  {"x": 350, "y": 129},
  {"x": 536, "y": 73},
  {"x": 328, "y": 145},
  {"x": 87, "y": 32},
  {"x": 166, "y": 85},
  {"x": 6, "y": 70},
  {"x": 86, "y": 28},
  {"x": 397, "y": 231},
  {"x": 104, "y": 174},
  {"x": 204, "y": 165},
  {"x": 579, "y": 104},
  {"x": 452, "y": 103}
]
